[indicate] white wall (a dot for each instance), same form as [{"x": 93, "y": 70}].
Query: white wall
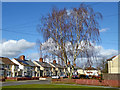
[
  {"x": 94, "y": 72},
  {"x": 80, "y": 71},
  {"x": 20, "y": 66},
  {"x": 114, "y": 65}
]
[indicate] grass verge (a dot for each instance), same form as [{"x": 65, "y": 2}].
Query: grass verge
[{"x": 51, "y": 86}]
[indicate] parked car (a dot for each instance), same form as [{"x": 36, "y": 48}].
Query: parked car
[
  {"x": 90, "y": 76},
  {"x": 63, "y": 76},
  {"x": 55, "y": 77},
  {"x": 84, "y": 76},
  {"x": 99, "y": 77},
  {"x": 75, "y": 77},
  {"x": 28, "y": 76}
]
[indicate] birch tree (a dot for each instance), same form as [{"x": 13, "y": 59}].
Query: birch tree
[{"x": 74, "y": 31}]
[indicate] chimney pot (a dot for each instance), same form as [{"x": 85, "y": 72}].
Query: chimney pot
[
  {"x": 69, "y": 63},
  {"x": 22, "y": 57},
  {"x": 41, "y": 60},
  {"x": 74, "y": 64},
  {"x": 54, "y": 61}
]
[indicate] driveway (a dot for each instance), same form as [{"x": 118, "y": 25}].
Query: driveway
[{"x": 26, "y": 82}]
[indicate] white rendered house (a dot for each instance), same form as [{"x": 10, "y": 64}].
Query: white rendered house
[
  {"x": 91, "y": 71},
  {"x": 23, "y": 66},
  {"x": 114, "y": 65}
]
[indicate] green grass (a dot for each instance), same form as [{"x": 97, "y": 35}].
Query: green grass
[
  {"x": 7, "y": 80},
  {"x": 49, "y": 86}
]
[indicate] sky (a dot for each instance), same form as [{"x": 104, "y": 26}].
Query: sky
[{"x": 20, "y": 19}]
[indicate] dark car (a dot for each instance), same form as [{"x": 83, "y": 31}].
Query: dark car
[
  {"x": 28, "y": 76},
  {"x": 75, "y": 77},
  {"x": 84, "y": 76}
]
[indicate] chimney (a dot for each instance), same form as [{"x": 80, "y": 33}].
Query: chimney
[
  {"x": 41, "y": 60},
  {"x": 74, "y": 64},
  {"x": 68, "y": 62},
  {"x": 22, "y": 57},
  {"x": 54, "y": 61}
]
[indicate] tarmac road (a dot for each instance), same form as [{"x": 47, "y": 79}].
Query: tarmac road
[{"x": 26, "y": 82}]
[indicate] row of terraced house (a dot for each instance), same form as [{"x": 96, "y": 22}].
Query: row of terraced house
[
  {"x": 20, "y": 67},
  {"x": 26, "y": 68}
]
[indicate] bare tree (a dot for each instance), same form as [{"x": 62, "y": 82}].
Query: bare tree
[
  {"x": 103, "y": 65},
  {"x": 74, "y": 31}
]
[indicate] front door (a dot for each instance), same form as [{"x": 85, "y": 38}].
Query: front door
[
  {"x": 56, "y": 73},
  {"x": 41, "y": 73}
]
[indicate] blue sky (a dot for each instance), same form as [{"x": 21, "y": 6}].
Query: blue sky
[{"x": 19, "y": 21}]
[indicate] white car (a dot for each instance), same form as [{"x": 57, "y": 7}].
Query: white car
[
  {"x": 55, "y": 77},
  {"x": 63, "y": 76}
]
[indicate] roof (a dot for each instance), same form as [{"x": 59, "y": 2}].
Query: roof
[
  {"x": 76, "y": 67},
  {"x": 22, "y": 62},
  {"x": 6, "y": 61},
  {"x": 30, "y": 63},
  {"x": 57, "y": 65},
  {"x": 110, "y": 59},
  {"x": 1, "y": 62},
  {"x": 44, "y": 64},
  {"x": 90, "y": 68}
]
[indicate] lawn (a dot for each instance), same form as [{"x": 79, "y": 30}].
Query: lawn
[{"x": 48, "y": 86}]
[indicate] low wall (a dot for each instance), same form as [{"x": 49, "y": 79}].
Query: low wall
[
  {"x": 21, "y": 78},
  {"x": 112, "y": 83},
  {"x": 11, "y": 78},
  {"x": 27, "y": 78},
  {"x": 107, "y": 76}
]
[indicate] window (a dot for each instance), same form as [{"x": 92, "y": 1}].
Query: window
[
  {"x": 38, "y": 74},
  {"x": 7, "y": 66}
]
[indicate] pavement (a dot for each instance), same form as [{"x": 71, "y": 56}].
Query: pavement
[{"x": 26, "y": 82}]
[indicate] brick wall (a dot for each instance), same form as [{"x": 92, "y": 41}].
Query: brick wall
[
  {"x": 107, "y": 76},
  {"x": 112, "y": 83},
  {"x": 11, "y": 78}
]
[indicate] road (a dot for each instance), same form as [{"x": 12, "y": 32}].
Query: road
[{"x": 26, "y": 82}]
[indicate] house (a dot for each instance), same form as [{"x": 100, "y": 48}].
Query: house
[
  {"x": 57, "y": 69},
  {"x": 114, "y": 65},
  {"x": 91, "y": 71},
  {"x": 75, "y": 69},
  {"x": 1, "y": 69},
  {"x": 78, "y": 69},
  {"x": 24, "y": 67},
  {"x": 34, "y": 69},
  {"x": 45, "y": 68},
  {"x": 9, "y": 68}
]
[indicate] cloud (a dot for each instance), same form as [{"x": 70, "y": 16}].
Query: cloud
[
  {"x": 101, "y": 53},
  {"x": 104, "y": 30},
  {"x": 13, "y": 48},
  {"x": 105, "y": 52}
]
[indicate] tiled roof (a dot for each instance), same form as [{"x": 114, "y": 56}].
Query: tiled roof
[
  {"x": 57, "y": 65},
  {"x": 7, "y": 61},
  {"x": 1, "y": 62},
  {"x": 76, "y": 67},
  {"x": 30, "y": 63},
  {"x": 90, "y": 68},
  {"x": 110, "y": 58},
  {"x": 22, "y": 62},
  {"x": 44, "y": 64}
]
